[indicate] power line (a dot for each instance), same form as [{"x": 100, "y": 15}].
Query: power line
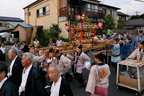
[{"x": 139, "y": 0}]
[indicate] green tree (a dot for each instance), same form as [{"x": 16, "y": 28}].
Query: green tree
[
  {"x": 121, "y": 23},
  {"x": 135, "y": 17},
  {"x": 109, "y": 22},
  {"x": 44, "y": 35}
]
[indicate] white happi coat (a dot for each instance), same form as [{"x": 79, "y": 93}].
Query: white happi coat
[
  {"x": 136, "y": 54},
  {"x": 98, "y": 77},
  {"x": 64, "y": 63},
  {"x": 80, "y": 64}
]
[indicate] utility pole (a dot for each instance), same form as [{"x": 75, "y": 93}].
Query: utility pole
[{"x": 137, "y": 12}]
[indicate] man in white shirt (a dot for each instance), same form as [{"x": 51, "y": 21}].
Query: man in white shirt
[
  {"x": 36, "y": 42},
  {"x": 15, "y": 47},
  {"x": 6, "y": 87},
  {"x": 60, "y": 86},
  {"x": 59, "y": 42},
  {"x": 15, "y": 69},
  {"x": 31, "y": 84}
]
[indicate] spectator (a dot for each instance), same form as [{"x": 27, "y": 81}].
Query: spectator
[
  {"x": 25, "y": 49},
  {"x": 109, "y": 32},
  {"x": 59, "y": 42},
  {"x": 60, "y": 87},
  {"x": 119, "y": 34},
  {"x": 36, "y": 42},
  {"x": 112, "y": 36},
  {"x": 15, "y": 47},
  {"x": 3, "y": 51},
  {"x": 50, "y": 43},
  {"x": 15, "y": 69},
  {"x": 6, "y": 87},
  {"x": 138, "y": 38},
  {"x": 128, "y": 37},
  {"x": 104, "y": 36},
  {"x": 31, "y": 84}
]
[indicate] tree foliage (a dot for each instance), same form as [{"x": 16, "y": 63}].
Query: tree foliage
[
  {"x": 135, "y": 17},
  {"x": 45, "y": 35},
  {"x": 121, "y": 23},
  {"x": 109, "y": 22}
]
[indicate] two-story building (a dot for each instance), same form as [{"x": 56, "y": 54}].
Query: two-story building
[{"x": 47, "y": 12}]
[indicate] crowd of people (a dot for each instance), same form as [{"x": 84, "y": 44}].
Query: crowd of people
[{"x": 48, "y": 73}]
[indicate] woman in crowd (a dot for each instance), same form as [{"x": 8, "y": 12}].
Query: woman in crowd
[
  {"x": 98, "y": 81},
  {"x": 80, "y": 58},
  {"x": 139, "y": 52}
]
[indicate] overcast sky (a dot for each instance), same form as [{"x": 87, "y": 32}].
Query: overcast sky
[{"x": 14, "y": 8}]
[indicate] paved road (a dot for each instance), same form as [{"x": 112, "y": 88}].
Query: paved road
[{"x": 112, "y": 91}]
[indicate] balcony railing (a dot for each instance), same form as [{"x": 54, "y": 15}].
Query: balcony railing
[{"x": 72, "y": 12}]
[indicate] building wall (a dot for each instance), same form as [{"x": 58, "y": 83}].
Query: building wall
[
  {"x": 45, "y": 21},
  {"x": 22, "y": 33},
  {"x": 28, "y": 34},
  {"x": 64, "y": 33}
]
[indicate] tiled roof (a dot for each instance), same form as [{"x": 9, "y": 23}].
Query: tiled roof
[
  {"x": 25, "y": 25},
  {"x": 32, "y": 4},
  {"x": 2, "y": 18},
  {"x": 135, "y": 22},
  {"x": 122, "y": 14}
]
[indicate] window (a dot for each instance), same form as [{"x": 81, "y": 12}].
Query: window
[
  {"x": 88, "y": 7},
  {"x": 25, "y": 13},
  {"x": 37, "y": 12},
  {"x": 91, "y": 7},
  {"x": 43, "y": 11},
  {"x": 104, "y": 10},
  {"x": 29, "y": 13},
  {"x": 64, "y": 3},
  {"x": 112, "y": 12},
  {"x": 47, "y": 10},
  {"x": 0, "y": 24}
]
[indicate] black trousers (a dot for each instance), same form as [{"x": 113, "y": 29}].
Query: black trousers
[
  {"x": 43, "y": 76},
  {"x": 78, "y": 76},
  {"x": 114, "y": 64}
]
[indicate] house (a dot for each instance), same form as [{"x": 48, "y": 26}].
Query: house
[
  {"x": 47, "y": 12},
  {"x": 23, "y": 32},
  {"x": 135, "y": 24},
  {"x": 124, "y": 16},
  {"x": 8, "y": 23}
]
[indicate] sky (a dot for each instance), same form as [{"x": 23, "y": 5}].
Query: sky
[{"x": 14, "y": 8}]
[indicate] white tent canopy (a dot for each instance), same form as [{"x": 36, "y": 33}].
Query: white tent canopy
[{"x": 5, "y": 34}]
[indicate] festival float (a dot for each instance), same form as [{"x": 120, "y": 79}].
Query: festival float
[{"x": 83, "y": 33}]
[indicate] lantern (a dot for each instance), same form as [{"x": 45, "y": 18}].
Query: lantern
[
  {"x": 78, "y": 17},
  {"x": 100, "y": 24},
  {"x": 92, "y": 35},
  {"x": 67, "y": 27},
  {"x": 84, "y": 35},
  {"x": 82, "y": 26}
]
